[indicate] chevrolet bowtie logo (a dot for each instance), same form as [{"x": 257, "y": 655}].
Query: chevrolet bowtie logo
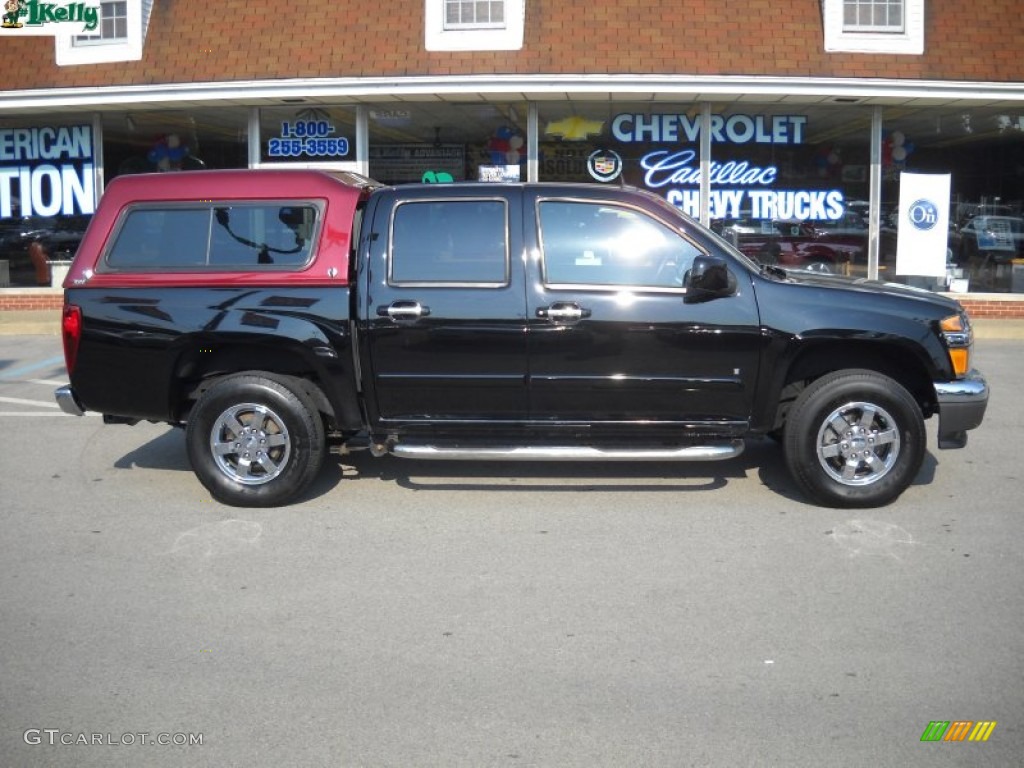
[{"x": 574, "y": 128}]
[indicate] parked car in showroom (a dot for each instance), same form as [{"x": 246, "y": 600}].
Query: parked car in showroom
[
  {"x": 805, "y": 245},
  {"x": 991, "y": 239},
  {"x": 58, "y": 238}
]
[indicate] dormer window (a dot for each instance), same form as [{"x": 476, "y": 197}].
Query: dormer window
[
  {"x": 474, "y": 14},
  {"x": 874, "y": 26},
  {"x": 474, "y": 25},
  {"x": 119, "y": 37}
]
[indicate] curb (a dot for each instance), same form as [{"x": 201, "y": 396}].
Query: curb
[{"x": 30, "y": 322}]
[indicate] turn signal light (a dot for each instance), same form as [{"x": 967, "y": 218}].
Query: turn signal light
[
  {"x": 960, "y": 357},
  {"x": 957, "y": 332}
]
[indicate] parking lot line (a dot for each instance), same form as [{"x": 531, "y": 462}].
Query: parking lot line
[
  {"x": 15, "y": 372},
  {"x": 33, "y": 413},
  {"x": 22, "y": 401}
]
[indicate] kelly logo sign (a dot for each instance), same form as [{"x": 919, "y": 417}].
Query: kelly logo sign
[{"x": 32, "y": 17}]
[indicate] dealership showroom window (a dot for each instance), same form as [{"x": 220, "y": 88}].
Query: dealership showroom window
[{"x": 791, "y": 184}]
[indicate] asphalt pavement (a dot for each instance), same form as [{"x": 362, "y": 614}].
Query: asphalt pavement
[{"x": 408, "y": 613}]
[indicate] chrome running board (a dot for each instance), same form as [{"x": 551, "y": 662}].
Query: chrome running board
[{"x": 710, "y": 452}]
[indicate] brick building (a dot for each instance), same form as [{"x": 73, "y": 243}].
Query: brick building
[{"x": 806, "y": 116}]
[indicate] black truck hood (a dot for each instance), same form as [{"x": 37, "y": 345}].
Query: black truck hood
[{"x": 875, "y": 287}]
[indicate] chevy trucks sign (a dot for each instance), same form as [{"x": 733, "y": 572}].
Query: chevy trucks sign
[
  {"x": 667, "y": 170},
  {"x": 738, "y": 186}
]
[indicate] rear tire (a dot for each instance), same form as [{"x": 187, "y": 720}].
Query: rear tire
[
  {"x": 255, "y": 440},
  {"x": 854, "y": 438}
]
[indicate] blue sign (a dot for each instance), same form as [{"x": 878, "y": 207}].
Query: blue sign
[
  {"x": 668, "y": 170},
  {"x": 923, "y": 214},
  {"x": 47, "y": 171},
  {"x": 734, "y": 129},
  {"x": 307, "y": 138}
]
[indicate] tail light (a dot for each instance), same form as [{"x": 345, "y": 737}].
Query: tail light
[{"x": 71, "y": 331}]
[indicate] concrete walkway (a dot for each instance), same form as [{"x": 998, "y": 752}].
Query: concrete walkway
[{"x": 30, "y": 322}]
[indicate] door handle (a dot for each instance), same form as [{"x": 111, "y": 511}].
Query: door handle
[
  {"x": 403, "y": 310},
  {"x": 563, "y": 312}
]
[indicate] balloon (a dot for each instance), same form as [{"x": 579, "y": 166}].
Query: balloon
[
  {"x": 899, "y": 154},
  {"x": 515, "y": 142},
  {"x": 898, "y": 138}
]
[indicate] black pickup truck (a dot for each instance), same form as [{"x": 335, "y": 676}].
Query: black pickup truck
[{"x": 274, "y": 314}]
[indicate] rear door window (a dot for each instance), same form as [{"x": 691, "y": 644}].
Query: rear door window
[{"x": 450, "y": 243}]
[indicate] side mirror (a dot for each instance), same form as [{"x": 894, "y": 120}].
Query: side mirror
[{"x": 709, "y": 278}]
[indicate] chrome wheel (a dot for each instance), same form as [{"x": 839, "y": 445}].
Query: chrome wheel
[
  {"x": 250, "y": 444},
  {"x": 854, "y": 438},
  {"x": 858, "y": 443},
  {"x": 256, "y": 439}
]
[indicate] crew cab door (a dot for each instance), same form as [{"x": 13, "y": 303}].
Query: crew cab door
[
  {"x": 443, "y": 313},
  {"x": 613, "y": 340}
]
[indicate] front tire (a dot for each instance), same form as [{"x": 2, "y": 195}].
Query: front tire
[
  {"x": 255, "y": 440},
  {"x": 854, "y": 438}
]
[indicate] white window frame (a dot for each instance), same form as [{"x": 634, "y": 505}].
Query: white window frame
[
  {"x": 104, "y": 51},
  {"x": 908, "y": 41},
  {"x": 449, "y": 26},
  {"x": 96, "y": 37},
  {"x": 508, "y": 37},
  {"x": 883, "y": 28}
]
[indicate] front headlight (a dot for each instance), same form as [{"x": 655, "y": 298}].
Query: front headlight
[{"x": 956, "y": 330}]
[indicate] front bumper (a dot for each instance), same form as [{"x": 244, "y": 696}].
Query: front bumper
[
  {"x": 962, "y": 406},
  {"x": 65, "y": 397}
]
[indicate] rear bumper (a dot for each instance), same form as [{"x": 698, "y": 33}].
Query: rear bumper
[
  {"x": 65, "y": 397},
  {"x": 962, "y": 406}
]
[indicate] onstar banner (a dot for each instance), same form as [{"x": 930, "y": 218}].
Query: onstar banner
[{"x": 923, "y": 224}]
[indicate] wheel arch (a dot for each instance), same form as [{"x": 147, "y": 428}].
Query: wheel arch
[
  {"x": 817, "y": 358},
  {"x": 204, "y": 363}
]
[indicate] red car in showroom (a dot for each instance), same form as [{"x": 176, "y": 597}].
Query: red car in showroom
[{"x": 836, "y": 247}]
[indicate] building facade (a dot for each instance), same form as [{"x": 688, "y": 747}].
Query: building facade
[{"x": 794, "y": 128}]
